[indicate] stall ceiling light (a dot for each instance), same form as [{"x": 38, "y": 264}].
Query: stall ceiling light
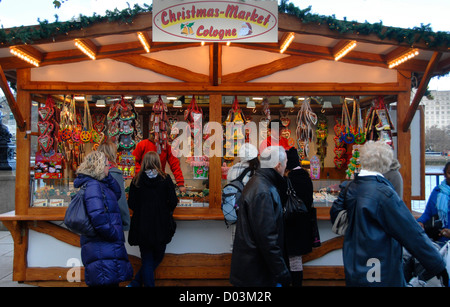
[
  {"x": 26, "y": 55},
  {"x": 289, "y": 104},
  {"x": 342, "y": 49},
  {"x": 286, "y": 41},
  {"x": 87, "y": 47},
  {"x": 100, "y": 103},
  {"x": 251, "y": 104},
  {"x": 139, "y": 103},
  {"x": 403, "y": 57},
  {"x": 145, "y": 40}
]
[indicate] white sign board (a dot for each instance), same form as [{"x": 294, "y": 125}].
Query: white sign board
[{"x": 215, "y": 21}]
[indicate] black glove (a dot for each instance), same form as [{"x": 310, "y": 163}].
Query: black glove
[{"x": 444, "y": 276}]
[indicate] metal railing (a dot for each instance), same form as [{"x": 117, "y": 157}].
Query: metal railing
[{"x": 431, "y": 181}]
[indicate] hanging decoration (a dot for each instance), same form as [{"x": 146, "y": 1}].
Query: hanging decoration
[
  {"x": 234, "y": 138},
  {"x": 315, "y": 168},
  {"x": 306, "y": 119},
  {"x": 69, "y": 136},
  {"x": 354, "y": 166},
  {"x": 339, "y": 146},
  {"x": 159, "y": 124},
  {"x": 86, "y": 133},
  {"x": 321, "y": 136},
  {"x": 265, "y": 119},
  {"x": 48, "y": 162},
  {"x": 378, "y": 122}
]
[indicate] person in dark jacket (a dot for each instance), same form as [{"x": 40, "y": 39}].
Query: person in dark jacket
[
  {"x": 110, "y": 151},
  {"x": 379, "y": 225},
  {"x": 258, "y": 257},
  {"x": 152, "y": 198},
  {"x": 298, "y": 231},
  {"x": 104, "y": 256}
]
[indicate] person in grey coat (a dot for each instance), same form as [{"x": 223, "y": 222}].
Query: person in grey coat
[
  {"x": 379, "y": 224},
  {"x": 394, "y": 177},
  {"x": 110, "y": 151}
]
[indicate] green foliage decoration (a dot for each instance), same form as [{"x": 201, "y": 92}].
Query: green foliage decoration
[{"x": 46, "y": 30}]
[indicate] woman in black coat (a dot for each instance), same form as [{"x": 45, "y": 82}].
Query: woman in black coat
[
  {"x": 152, "y": 198},
  {"x": 298, "y": 231}
]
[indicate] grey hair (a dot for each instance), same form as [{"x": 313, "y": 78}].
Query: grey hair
[
  {"x": 271, "y": 156},
  {"x": 376, "y": 156}
]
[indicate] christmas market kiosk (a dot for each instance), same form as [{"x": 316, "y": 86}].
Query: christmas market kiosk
[{"x": 333, "y": 84}]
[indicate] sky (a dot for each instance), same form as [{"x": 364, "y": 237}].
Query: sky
[{"x": 396, "y": 13}]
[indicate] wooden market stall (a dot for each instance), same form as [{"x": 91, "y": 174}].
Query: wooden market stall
[{"x": 215, "y": 73}]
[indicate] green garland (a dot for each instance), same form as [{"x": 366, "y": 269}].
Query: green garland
[
  {"x": 46, "y": 30},
  {"x": 408, "y": 36}
]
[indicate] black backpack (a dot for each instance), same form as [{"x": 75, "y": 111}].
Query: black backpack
[{"x": 231, "y": 195}]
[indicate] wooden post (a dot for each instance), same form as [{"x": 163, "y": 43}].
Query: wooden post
[
  {"x": 23, "y": 145},
  {"x": 404, "y": 138},
  {"x": 215, "y": 163}
]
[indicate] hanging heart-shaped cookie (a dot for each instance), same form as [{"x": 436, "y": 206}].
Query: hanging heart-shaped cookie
[
  {"x": 339, "y": 152},
  {"x": 45, "y": 113},
  {"x": 285, "y": 121},
  {"x": 286, "y": 133},
  {"x": 45, "y": 127},
  {"x": 45, "y": 142},
  {"x": 99, "y": 126},
  {"x": 339, "y": 162}
]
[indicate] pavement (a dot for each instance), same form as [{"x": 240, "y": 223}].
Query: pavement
[
  {"x": 6, "y": 261},
  {"x": 7, "y": 256}
]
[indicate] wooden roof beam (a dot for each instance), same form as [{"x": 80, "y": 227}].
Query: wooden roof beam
[
  {"x": 12, "y": 102},
  {"x": 421, "y": 90}
]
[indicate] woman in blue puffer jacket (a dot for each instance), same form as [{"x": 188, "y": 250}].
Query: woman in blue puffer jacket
[{"x": 104, "y": 256}]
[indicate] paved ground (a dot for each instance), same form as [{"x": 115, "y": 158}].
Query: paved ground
[{"x": 6, "y": 261}]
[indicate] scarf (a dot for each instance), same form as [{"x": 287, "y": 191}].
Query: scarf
[
  {"x": 151, "y": 173},
  {"x": 442, "y": 202}
]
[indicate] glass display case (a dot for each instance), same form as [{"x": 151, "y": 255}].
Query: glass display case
[{"x": 51, "y": 192}]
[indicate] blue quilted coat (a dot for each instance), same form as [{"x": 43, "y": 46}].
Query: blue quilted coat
[{"x": 104, "y": 256}]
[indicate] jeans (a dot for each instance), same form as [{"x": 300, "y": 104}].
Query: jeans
[{"x": 151, "y": 257}]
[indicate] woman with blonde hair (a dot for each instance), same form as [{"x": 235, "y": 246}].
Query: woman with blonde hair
[
  {"x": 110, "y": 151},
  {"x": 152, "y": 198},
  {"x": 104, "y": 255}
]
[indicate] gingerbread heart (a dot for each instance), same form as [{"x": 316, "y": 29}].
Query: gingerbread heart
[
  {"x": 45, "y": 127},
  {"x": 45, "y": 142},
  {"x": 285, "y": 121},
  {"x": 286, "y": 133},
  {"x": 338, "y": 142},
  {"x": 339, "y": 163},
  {"x": 339, "y": 152},
  {"x": 45, "y": 113},
  {"x": 99, "y": 126},
  {"x": 338, "y": 129}
]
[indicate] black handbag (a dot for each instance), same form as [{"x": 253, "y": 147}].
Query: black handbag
[
  {"x": 433, "y": 227},
  {"x": 76, "y": 217},
  {"x": 294, "y": 205}
]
